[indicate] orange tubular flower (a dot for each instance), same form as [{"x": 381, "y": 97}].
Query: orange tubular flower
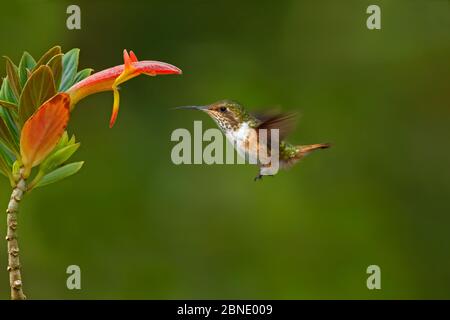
[
  {"x": 111, "y": 78},
  {"x": 42, "y": 131}
]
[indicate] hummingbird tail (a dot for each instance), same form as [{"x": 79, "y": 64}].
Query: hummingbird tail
[{"x": 303, "y": 151}]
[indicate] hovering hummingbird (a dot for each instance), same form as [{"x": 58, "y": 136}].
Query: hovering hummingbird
[{"x": 243, "y": 129}]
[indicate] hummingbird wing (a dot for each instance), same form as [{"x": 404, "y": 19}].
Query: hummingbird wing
[
  {"x": 265, "y": 114},
  {"x": 284, "y": 122}
]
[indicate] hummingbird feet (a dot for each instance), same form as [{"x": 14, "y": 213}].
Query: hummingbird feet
[{"x": 260, "y": 176}]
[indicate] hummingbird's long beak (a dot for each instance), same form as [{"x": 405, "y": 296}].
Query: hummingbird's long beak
[{"x": 193, "y": 107}]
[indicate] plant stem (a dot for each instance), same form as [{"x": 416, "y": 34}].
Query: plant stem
[{"x": 15, "y": 278}]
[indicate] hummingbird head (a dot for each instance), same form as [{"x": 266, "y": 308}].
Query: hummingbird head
[{"x": 228, "y": 114}]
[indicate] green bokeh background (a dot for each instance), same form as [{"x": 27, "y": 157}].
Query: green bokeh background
[{"x": 141, "y": 227}]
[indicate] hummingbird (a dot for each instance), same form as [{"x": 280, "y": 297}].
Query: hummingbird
[{"x": 243, "y": 129}]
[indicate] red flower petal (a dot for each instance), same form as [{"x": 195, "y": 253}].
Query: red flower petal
[{"x": 111, "y": 78}]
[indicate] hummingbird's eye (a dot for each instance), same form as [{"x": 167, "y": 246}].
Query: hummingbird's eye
[{"x": 223, "y": 109}]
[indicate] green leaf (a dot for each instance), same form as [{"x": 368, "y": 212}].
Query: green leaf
[
  {"x": 70, "y": 66},
  {"x": 58, "y": 158},
  {"x": 60, "y": 173},
  {"x": 62, "y": 142},
  {"x": 7, "y": 155},
  {"x": 83, "y": 74},
  {"x": 3, "y": 167},
  {"x": 2, "y": 90},
  {"x": 8, "y": 105},
  {"x": 27, "y": 62},
  {"x": 65, "y": 141},
  {"x": 5, "y": 114},
  {"x": 60, "y": 154},
  {"x": 7, "y": 138},
  {"x": 39, "y": 88},
  {"x": 17, "y": 165},
  {"x": 55, "y": 65},
  {"x": 72, "y": 140},
  {"x": 13, "y": 77},
  {"x": 47, "y": 57},
  {"x": 8, "y": 94}
]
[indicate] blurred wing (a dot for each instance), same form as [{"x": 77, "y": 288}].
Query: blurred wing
[
  {"x": 284, "y": 122},
  {"x": 266, "y": 113}
]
